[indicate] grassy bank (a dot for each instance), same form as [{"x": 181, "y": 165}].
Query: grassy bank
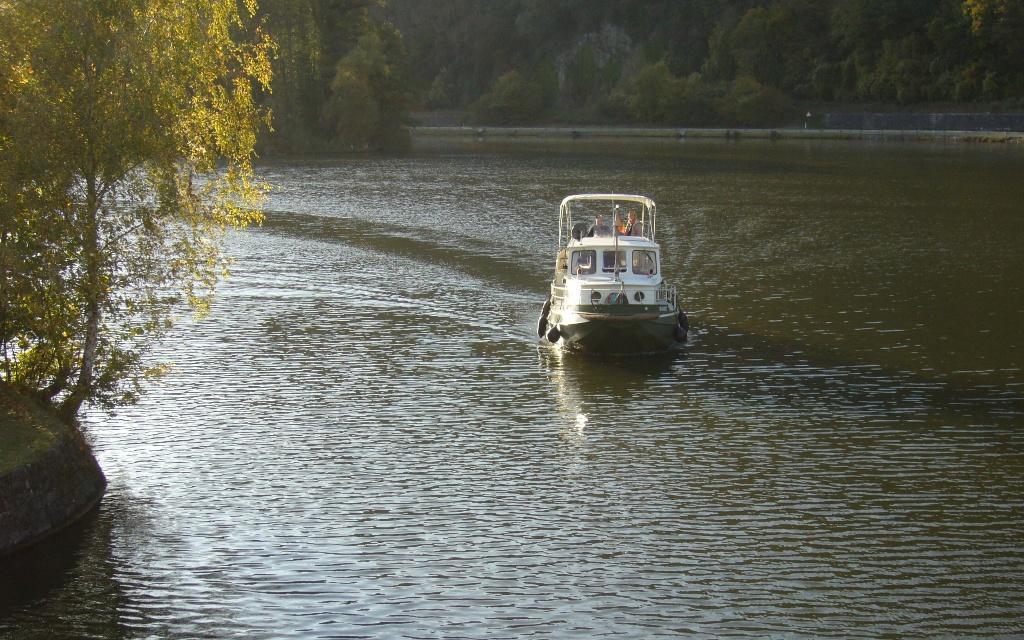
[{"x": 25, "y": 431}]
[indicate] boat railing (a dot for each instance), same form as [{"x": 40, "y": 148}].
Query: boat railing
[
  {"x": 667, "y": 293},
  {"x": 566, "y": 221}
]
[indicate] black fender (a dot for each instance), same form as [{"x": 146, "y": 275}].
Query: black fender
[
  {"x": 542, "y": 321},
  {"x": 682, "y": 327},
  {"x": 554, "y": 334}
]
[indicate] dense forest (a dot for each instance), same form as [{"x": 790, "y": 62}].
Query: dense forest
[
  {"x": 340, "y": 77},
  {"x": 349, "y": 71}
]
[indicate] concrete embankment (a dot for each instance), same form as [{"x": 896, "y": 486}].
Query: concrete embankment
[
  {"x": 627, "y": 133},
  {"x": 48, "y": 475}
]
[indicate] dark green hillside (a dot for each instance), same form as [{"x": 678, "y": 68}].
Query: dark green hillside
[{"x": 732, "y": 62}]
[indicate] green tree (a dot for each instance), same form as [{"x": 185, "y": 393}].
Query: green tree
[
  {"x": 439, "y": 96},
  {"x": 369, "y": 100},
  {"x": 998, "y": 29},
  {"x": 298, "y": 67},
  {"x": 127, "y": 131},
  {"x": 697, "y": 104},
  {"x": 720, "y": 63},
  {"x": 651, "y": 94},
  {"x": 751, "y": 104},
  {"x": 657, "y": 96},
  {"x": 339, "y": 77},
  {"x": 512, "y": 100},
  {"x": 900, "y": 73},
  {"x": 583, "y": 75},
  {"x": 756, "y": 46}
]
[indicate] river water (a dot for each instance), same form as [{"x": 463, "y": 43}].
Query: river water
[{"x": 365, "y": 439}]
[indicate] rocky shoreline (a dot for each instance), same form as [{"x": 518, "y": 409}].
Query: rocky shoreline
[{"x": 57, "y": 483}]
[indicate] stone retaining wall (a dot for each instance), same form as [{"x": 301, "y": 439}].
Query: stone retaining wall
[
  {"x": 926, "y": 121},
  {"x": 58, "y": 487},
  {"x": 628, "y": 133}
]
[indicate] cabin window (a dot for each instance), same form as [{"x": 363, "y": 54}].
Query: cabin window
[
  {"x": 645, "y": 262},
  {"x": 583, "y": 262},
  {"x": 613, "y": 259}
]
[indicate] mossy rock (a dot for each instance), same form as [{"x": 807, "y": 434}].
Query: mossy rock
[
  {"x": 26, "y": 431},
  {"x": 48, "y": 475}
]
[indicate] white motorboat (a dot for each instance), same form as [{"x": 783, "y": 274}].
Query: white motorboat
[{"x": 608, "y": 293}]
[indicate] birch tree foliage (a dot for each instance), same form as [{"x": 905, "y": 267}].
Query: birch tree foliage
[{"x": 127, "y": 130}]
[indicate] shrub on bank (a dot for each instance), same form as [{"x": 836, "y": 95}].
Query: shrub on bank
[
  {"x": 748, "y": 103},
  {"x": 657, "y": 96},
  {"x": 513, "y": 99}
]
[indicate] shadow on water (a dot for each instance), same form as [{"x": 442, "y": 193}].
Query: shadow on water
[
  {"x": 791, "y": 371},
  {"x": 33, "y": 572},
  {"x": 759, "y": 375},
  {"x": 486, "y": 260},
  {"x": 70, "y": 576}
]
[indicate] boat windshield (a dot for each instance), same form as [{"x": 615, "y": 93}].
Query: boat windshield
[
  {"x": 645, "y": 262},
  {"x": 583, "y": 262},
  {"x": 613, "y": 261}
]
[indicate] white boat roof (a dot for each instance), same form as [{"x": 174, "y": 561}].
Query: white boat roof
[
  {"x": 608, "y": 242},
  {"x": 566, "y": 222},
  {"x": 612, "y": 197}
]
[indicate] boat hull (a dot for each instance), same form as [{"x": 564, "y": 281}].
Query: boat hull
[{"x": 618, "y": 329}]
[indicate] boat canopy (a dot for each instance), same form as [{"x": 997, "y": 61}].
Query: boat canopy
[{"x": 566, "y": 221}]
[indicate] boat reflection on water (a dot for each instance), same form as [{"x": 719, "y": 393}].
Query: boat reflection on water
[{"x": 591, "y": 388}]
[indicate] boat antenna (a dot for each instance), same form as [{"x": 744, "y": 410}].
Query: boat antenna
[{"x": 615, "y": 233}]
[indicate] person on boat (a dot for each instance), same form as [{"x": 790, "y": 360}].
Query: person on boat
[
  {"x": 633, "y": 226},
  {"x": 600, "y": 229},
  {"x": 617, "y": 225}
]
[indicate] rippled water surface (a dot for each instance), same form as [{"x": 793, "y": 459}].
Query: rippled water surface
[{"x": 365, "y": 439}]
